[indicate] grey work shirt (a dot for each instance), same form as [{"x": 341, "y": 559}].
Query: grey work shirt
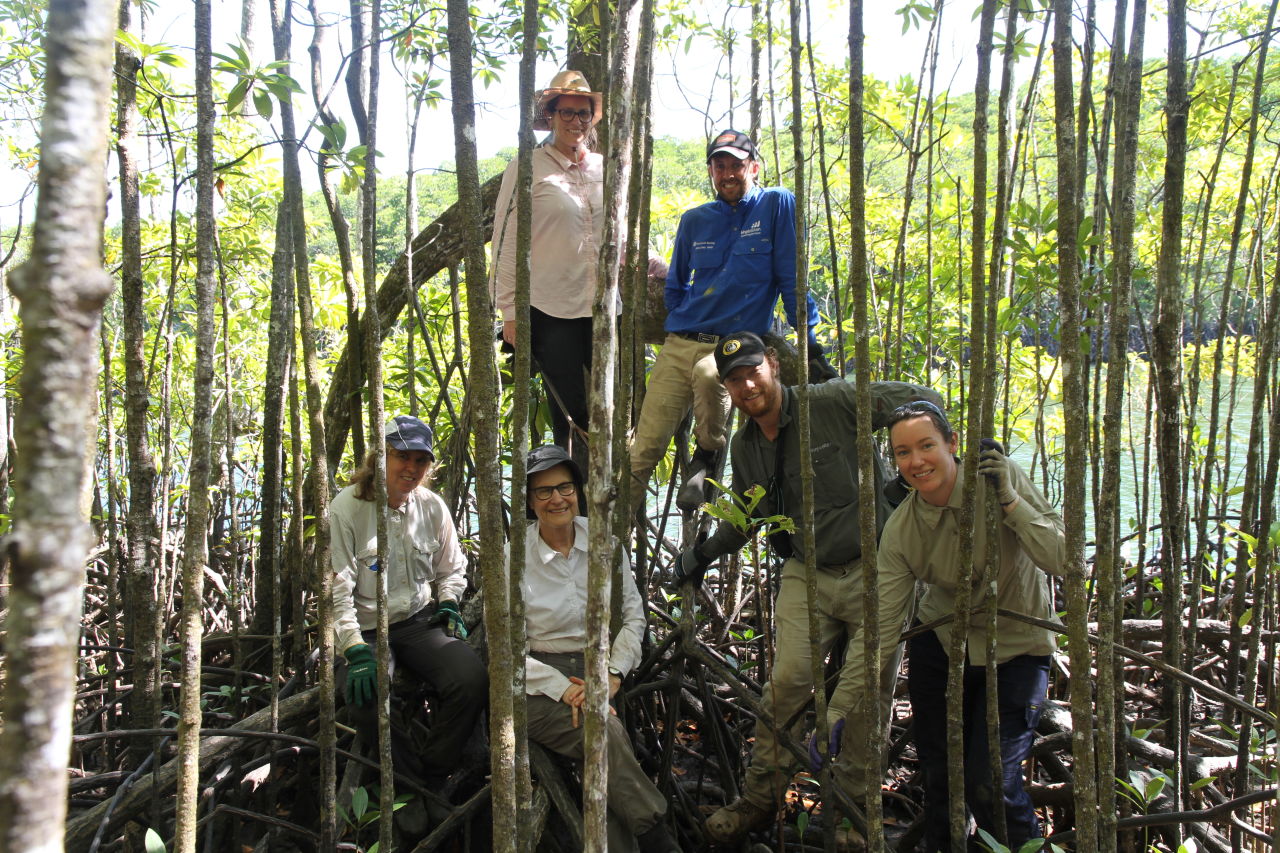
[{"x": 833, "y": 444}]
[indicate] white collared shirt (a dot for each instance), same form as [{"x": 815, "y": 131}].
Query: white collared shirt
[
  {"x": 555, "y": 596},
  {"x": 566, "y": 228},
  {"x": 422, "y": 550}
]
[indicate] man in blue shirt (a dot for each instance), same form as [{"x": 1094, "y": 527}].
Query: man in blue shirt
[{"x": 733, "y": 258}]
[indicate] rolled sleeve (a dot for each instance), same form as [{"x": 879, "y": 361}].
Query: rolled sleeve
[
  {"x": 624, "y": 653},
  {"x": 1038, "y": 526}
]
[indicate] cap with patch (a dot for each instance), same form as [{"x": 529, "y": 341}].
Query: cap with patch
[
  {"x": 732, "y": 142},
  {"x": 736, "y": 350},
  {"x": 405, "y": 432}
]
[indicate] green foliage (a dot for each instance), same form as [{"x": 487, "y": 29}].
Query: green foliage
[{"x": 153, "y": 842}]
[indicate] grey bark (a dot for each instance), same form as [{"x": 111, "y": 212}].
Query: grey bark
[
  {"x": 483, "y": 410},
  {"x": 61, "y": 287},
  {"x": 1074, "y": 408},
  {"x": 143, "y": 707},
  {"x": 1127, "y": 84},
  {"x": 1167, "y": 361},
  {"x": 293, "y": 235},
  {"x": 195, "y": 543},
  {"x": 601, "y": 485}
]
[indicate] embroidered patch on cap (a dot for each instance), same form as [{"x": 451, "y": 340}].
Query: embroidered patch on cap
[{"x": 731, "y": 346}]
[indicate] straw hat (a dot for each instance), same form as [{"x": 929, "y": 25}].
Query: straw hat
[{"x": 567, "y": 82}]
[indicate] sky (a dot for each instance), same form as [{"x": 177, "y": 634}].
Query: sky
[{"x": 688, "y": 102}]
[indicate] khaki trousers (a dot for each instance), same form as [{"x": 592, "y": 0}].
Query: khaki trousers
[
  {"x": 635, "y": 804},
  {"x": 685, "y": 372},
  {"x": 791, "y": 684}
]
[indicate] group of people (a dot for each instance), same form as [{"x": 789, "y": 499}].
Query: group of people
[{"x": 733, "y": 259}]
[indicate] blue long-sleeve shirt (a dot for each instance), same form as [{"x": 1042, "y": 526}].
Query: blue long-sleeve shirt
[{"x": 732, "y": 262}]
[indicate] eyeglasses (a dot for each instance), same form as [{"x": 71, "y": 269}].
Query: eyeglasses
[
  {"x": 581, "y": 115},
  {"x": 543, "y": 493}
]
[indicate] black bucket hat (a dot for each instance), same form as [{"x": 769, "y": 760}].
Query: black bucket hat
[{"x": 543, "y": 458}]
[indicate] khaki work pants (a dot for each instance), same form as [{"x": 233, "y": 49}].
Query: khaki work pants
[
  {"x": 685, "y": 372},
  {"x": 791, "y": 683}
]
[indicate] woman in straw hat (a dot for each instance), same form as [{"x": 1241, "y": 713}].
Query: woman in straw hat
[{"x": 567, "y": 225}]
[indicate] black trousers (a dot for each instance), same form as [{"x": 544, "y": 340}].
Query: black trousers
[
  {"x": 1022, "y": 684},
  {"x": 455, "y": 675},
  {"x": 562, "y": 349}
]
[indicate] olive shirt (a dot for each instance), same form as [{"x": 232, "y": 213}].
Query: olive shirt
[
  {"x": 922, "y": 542},
  {"x": 833, "y": 444}
]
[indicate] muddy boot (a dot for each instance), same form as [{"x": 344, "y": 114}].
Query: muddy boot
[
  {"x": 730, "y": 824},
  {"x": 694, "y": 491}
]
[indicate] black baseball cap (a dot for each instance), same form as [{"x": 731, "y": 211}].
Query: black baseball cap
[
  {"x": 405, "y": 432},
  {"x": 732, "y": 142},
  {"x": 738, "y": 349}
]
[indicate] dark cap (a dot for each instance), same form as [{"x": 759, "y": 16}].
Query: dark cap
[
  {"x": 546, "y": 457},
  {"x": 732, "y": 142},
  {"x": 738, "y": 349},
  {"x": 405, "y": 432}
]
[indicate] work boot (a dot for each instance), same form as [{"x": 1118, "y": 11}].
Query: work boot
[
  {"x": 693, "y": 492},
  {"x": 657, "y": 839},
  {"x": 731, "y": 823}
]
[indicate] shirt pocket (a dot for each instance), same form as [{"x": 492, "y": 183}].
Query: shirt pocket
[
  {"x": 706, "y": 257},
  {"x": 367, "y": 575},
  {"x": 834, "y": 483},
  {"x": 421, "y": 556},
  {"x": 753, "y": 258}
]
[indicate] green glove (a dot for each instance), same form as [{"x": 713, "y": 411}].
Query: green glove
[
  {"x": 453, "y": 624},
  {"x": 994, "y": 465},
  {"x": 362, "y": 674}
]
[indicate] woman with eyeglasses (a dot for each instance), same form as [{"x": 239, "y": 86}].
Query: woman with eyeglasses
[
  {"x": 567, "y": 225},
  {"x": 555, "y": 595},
  {"x": 424, "y": 567},
  {"x": 921, "y": 542}
]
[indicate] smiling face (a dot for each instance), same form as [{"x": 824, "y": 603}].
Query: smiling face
[
  {"x": 732, "y": 178},
  {"x": 568, "y": 134},
  {"x": 406, "y": 469},
  {"x": 556, "y": 510},
  {"x": 755, "y": 390},
  {"x": 927, "y": 460}
]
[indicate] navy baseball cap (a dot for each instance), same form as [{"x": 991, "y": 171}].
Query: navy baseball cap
[
  {"x": 732, "y": 142},
  {"x": 405, "y": 432},
  {"x": 738, "y": 349}
]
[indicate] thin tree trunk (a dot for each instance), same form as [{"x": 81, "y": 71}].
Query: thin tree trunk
[
  {"x": 62, "y": 288},
  {"x": 195, "y": 544},
  {"x": 1127, "y": 83},
  {"x": 293, "y": 235},
  {"x": 143, "y": 704},
  {"x": 520, "y": 400},
  {"x": 1077, "y": 428},
  {"x": 1167, "y": 365},
  {"x": 483, "y": 407},
  {"x": 623, "y": 39}
]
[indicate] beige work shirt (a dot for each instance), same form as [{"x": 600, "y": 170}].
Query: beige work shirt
[
  {"x": 922, "y": 542},
  {"x": 566, "y": 227}
]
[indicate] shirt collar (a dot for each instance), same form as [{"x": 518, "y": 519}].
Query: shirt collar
[
  {"x": 747, "y": 202},
  {"x": 558, "y": 155},
  {"x": 932, "y": 515},
  {"x": 545, "y": 552}
]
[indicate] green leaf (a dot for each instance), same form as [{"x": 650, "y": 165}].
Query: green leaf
[
  {"x": 1154, "y": 786},
  {"x": 1246, "y": 617},
  {"x": 236, "y": 96},
  {"x": 802, "y": 822},
  {"x": 263, "y": 103},
  {"x": 1188, "y": 846},
  {"x": 989, "y": 841},
  {"x": 359, "y": 802},
  {"x": 1202, "y": 783},
  {"x": 153, "y": 842}
]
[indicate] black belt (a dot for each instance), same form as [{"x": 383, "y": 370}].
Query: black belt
[{"x": 700, "y": 337}]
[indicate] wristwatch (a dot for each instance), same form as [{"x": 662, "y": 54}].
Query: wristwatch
[{"x": 613, "y": 670}]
